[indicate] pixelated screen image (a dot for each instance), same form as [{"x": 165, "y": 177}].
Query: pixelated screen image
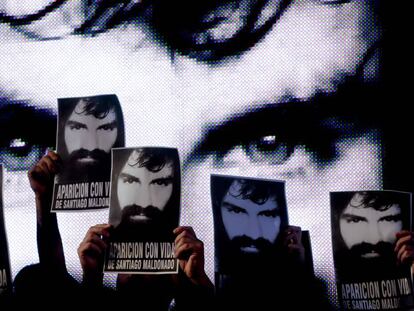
[{"x": 306, "y": 91}]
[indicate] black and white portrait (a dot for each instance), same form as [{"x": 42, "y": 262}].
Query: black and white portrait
[
  {"x": 365, "y": 227},
  {"x": 145, "y": 192},
  {"x": 144, "y": 210},
  {"x": 88, "y": 128}
]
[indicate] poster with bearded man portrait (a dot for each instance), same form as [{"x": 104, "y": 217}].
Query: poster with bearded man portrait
[
  {"x": 249, "y": 217},
  {"x": 372, "y": 245},
  {"x": 144, "y": 210},
  {"x": 88, "y": 128}
]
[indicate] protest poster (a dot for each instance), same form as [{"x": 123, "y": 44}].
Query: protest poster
[
  {"x": 144, "y": 210},
  {"x": 366, "y": 226},
  {"x": 88, "y": 127}
]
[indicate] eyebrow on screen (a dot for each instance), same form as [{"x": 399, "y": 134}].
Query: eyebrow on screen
[
  {"x": 12, "y": 129},
  {"x": 318, "y": 124},
  {"x": 12, "y": 112}
]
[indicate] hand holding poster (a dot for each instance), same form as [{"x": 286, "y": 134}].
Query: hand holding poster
[
  {"x": 144, "y": 210},
  {"x": 5, "y": 275},
  {"x": 88, "y": 127},
  {"x": 372, "y": 241}
]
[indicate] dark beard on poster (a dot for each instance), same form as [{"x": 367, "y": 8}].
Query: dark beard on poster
[
  {"x": 264, "y": 259},
  {"x": 156, "y": 229},
  {"x": 352, "y": 266},
  {"x": 84, "y": 165}
]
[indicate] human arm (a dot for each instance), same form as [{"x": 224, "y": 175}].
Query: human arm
[
  {"x": 91, "y": 254},
  {"x": 49, "y": 242}
]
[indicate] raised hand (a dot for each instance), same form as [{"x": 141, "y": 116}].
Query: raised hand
[
  {"x": 42, "y": 174},
  {"x": 292, "y": 239},
  {"x": 91, "y": 253},
  {"x": 404, "y": 247},
  {"x": 190, "y": 253}
]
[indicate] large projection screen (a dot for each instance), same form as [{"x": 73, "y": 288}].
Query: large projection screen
[{"x": 305, "y": 91}]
